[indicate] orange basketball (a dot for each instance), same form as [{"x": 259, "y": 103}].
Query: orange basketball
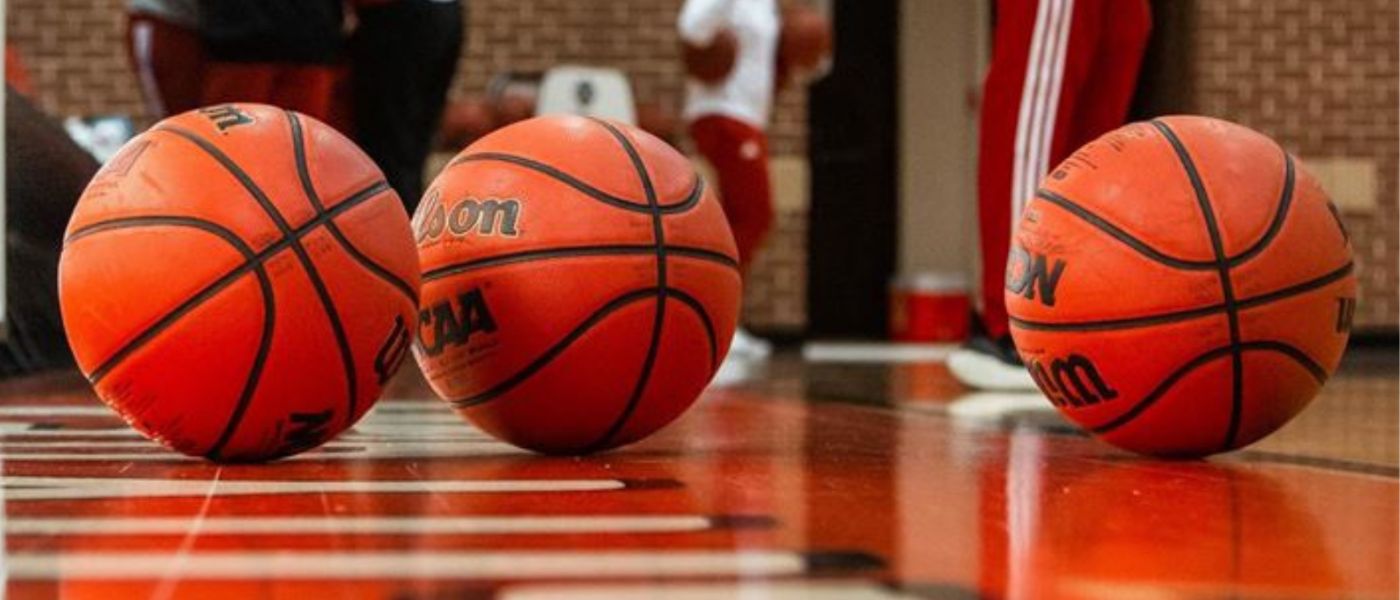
[
  {"x": 711, "y": 64},
  {"x": 1180, "y": 287},
  {"x": 239, "y": 282},
  {"x": 580, "y": 284},
  {"x": 805, "y": 39},
  {"x": 464, "y": 121}
]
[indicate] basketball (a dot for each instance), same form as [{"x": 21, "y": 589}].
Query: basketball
[
  {"x": 463, "y": 122},
  {"x": 239, "y": 282},
  {"x": 711, "y": 64},
  {"x": 580, "y": 284},
  {"x": 513, "y": 106},
  {"x": 805, "y": 39},
  {"x": 1180, "y": 287}
]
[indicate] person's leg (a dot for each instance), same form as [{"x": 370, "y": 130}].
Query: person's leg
[
  {"x": 738, "y": 152},
  {"x": 1125, "y": 26},
  {"x": 1041, "y": 55},
  {"x": 403, "y": 57},
  {"x": 308, "y": 89},
  {"x": 1017, "y": 123},
  {"x": 226, "y": 82},
  {"x": 169, "y": 63},
  {"x": 46, "y": 174}
]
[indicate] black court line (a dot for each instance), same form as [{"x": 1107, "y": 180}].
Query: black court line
[
  {"x": 1147, "y": 401},
  {"x": 689, "y": 202},
  {"x": 304, "y": 174},
  {"x": 1330, "y": 464},
  {"x": 526, "y": 256},
  {"x": 837, "y": 561},
  {"x": 1227, "y": 287},
  {"x": 741, "y": 521},
  {"x": 250, "y": 384},
  {"x": 322, "y": 293},
  {"x": 659, "y": 315},
  {"x": 1188, "y": 314}
]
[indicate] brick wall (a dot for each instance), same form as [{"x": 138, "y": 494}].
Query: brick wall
[
  {"x": 76, "y": 54},
  {"x": 636, "y": 36},
  {"x": 1321, "y": 78}
]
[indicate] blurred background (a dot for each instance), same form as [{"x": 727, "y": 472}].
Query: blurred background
[{"x": 874, "y": 166}]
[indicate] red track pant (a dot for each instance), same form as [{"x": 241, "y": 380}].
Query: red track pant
[
  {"x": 1062, "y": 73},
  {"x": 169, "y": 63},
  {"x": 306, "y": 88},
  {"x": 739, "y": 154}
]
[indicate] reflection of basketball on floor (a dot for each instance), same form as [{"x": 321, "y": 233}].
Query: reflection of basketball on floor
[
  {"x": 580, "y": 284},
  {"x": 239, "y": 282},
  {"x": 1180, "y": 287}
]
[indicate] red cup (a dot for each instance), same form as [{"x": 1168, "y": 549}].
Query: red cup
[{"x": 929, "y": 307}]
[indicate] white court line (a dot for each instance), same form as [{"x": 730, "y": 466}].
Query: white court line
[
  {"x": 995, "y": 405},
  {"x": 751, "y": 590},
  {"x": 23, "y": 430},
  {"x": 435, "y": 411},
  {"x": 159, "y": 454},
  {"x": 403, "y": 565},
  {"x": 858, "y": 352},
  {"x": 138, "y": 442},
  {"x": 38, "y": 410},
  {"x": 71, "y": 488},
  {"x": 509, "y": 525}
]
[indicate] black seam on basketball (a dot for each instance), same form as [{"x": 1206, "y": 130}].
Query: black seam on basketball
[
  {"x": 705, "y": 321},
  {"x": 245, "y": 398},
  {"x": 1152, "y": 397},
  {"x": 323, "y": 295},
  {"x": 703, "y": 254},
  {"x": 659, "y": 319},
  {"x": 140, "y": 222},
  {"x": 304, "y": 174},
  {"x": 1293, "y": 352},
  {"x": 189, "y": 304},
  {"x": 299, "y": 158},
  {"x": 1227, "y": 288},
  {"x": 218, "y": 284},
  {"x": 1280, "y": 215},
  {"x": 1298, "y": 289},
  {"x": 1157, "y": 392},
  {"x": 558, "y": 347},
  {"x": 1188, "y": 314},
  {"x": 527, "y": 256},
  {"x": 250, "y": 384},
  {"x": 690, "y": 201},
  {"x": 382, "y": 273},
  {"x": 1115, "y": 232}
]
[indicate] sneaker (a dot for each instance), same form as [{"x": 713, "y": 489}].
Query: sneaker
[
  {"x": 987, "y": 364},
  {"x": 745, "y": 345}
]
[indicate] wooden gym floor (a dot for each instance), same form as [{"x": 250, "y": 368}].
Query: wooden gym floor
[{"x": 845, "y": 475}]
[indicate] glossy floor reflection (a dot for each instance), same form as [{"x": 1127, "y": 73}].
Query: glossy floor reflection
[{"x": 797, "y": 479}]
